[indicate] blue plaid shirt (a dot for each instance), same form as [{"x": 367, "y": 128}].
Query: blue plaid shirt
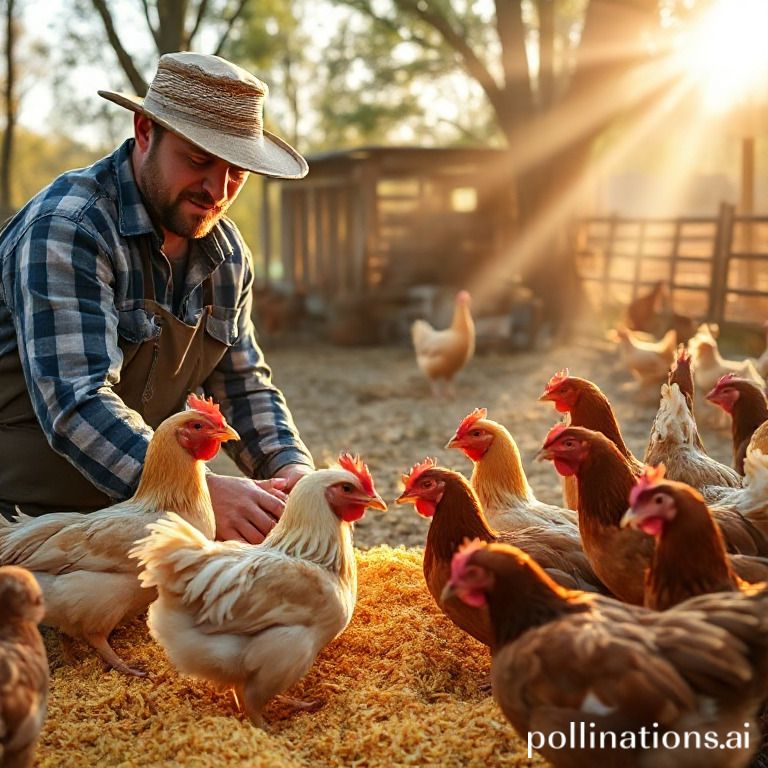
[{"x": 70, "y": 276}]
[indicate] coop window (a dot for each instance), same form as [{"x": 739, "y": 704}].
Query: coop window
[{"x": 464, "y": 199}]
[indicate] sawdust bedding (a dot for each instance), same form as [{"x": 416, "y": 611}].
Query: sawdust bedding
[
  {"x": 402, "y": 683},
  {"x": 402, "y": 686}
]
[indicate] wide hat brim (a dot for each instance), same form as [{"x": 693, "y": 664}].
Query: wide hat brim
[{"x": 267, "y": 155}]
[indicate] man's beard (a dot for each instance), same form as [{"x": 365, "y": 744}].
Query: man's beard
[{"x": 169, "y": 212}]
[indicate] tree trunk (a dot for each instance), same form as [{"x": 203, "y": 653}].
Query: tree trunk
[
  {"x": 553, "y": 184},
  {"x": 9, "y": 97}
]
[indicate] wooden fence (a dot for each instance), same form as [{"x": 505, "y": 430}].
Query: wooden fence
[{"x": 716, "y": 268}]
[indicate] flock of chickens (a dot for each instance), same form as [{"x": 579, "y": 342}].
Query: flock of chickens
[{"x": 638, "y": 604}]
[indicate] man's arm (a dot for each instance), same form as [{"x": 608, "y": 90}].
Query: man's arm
[{"x": 62, "y": 300}]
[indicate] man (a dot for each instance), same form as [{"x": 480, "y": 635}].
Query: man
[{"x": 123, "y": 286}]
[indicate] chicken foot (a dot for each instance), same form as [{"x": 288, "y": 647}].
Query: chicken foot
[{"x": 101, "y": 645}]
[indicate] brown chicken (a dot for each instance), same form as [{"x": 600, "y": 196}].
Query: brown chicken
[
  {"x": 23, "y": 667},
  {"x": 81, "y": 561},
  {"x": 586, "y": 406},
  {"x": 642, "y": 313},
  {"x": 253, "y": 618},
  {"x": 499, "y": 479},
  {"x": 441, "y": 354},
  {"x": 605, "y": 479},
  {"x": 689, "y": 557},
  {"x": 748, "y": 408},
  {"x": 576, "y": 663},
  {"x": 452, "y": 504}
]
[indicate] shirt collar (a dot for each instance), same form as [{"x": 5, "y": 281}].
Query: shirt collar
[{"x": 133, "y": 218}]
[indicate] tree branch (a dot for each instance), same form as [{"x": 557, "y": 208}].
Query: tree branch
[
  {"x": 230, "y": 23},
  {"x": 150, "y": 26},
  {"x": 201, "y": 10},
  {"x": 124, "y": 58}
]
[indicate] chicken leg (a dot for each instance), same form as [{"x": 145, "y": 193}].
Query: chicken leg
[{"x": 101, "y": 645}]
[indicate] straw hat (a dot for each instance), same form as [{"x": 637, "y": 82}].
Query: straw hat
[{"x": 216, "y": 106}]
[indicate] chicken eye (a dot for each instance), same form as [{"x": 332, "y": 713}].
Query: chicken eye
[
  {"x": 426, "y": 483},
  {"x": 347, "y": 487},
  {"x": 658, "y": 499},
  {"x": 197, "y": 425},
  {"x": 475, "y": 433}
]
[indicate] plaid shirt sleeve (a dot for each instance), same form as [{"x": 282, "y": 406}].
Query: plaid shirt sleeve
[
  {"x": 66, "y": 326},
  {"x": 242, "y": 384}
]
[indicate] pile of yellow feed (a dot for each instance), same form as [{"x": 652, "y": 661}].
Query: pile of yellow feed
[{"x": 402, "y": 686}]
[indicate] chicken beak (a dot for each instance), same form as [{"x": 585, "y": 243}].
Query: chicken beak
[
  {"x": 448, "y": 593},
  {"x": 376, "y": 502},
  {"x": 453, "y": 442},
  {"x": 405, "y": 498},
  {"x": 545, "y": 397},
  {"x": 545, "y": 454},
  {"x": 628, "y": 518},
  {"x": 227, "y": 434}
]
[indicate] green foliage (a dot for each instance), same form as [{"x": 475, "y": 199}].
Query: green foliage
[{"x": 39, "y": 159}]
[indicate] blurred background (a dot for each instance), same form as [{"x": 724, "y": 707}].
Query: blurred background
[{"x": 557, "y": 158}]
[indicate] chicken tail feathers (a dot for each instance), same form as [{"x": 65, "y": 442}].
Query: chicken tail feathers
[{"x": 171, "y": 548}]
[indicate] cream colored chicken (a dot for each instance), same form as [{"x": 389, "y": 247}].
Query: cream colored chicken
[
  {"x": 441, "y": 354},
  {"x": 81, "y": 561},
  {"x": 253, "y": 618},
  {"x": 647, "y": 361}
]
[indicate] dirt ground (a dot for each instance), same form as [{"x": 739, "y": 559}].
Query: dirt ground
[{"x": 375, "y": 402}]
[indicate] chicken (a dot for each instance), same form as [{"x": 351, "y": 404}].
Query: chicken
[
  {"x": 254, "y": 617},
  {"x": 576, "y": 663},
  {"x": 81, "y": 560},
  {"x": 499, "y": 479},
  {"x": 643, "y": 312},
  {"x": 452, "y": 504},
  {"x": 619, "y": 556},
  {"x": 746, "y": 403},
  {"x": 689, "y": 557},
  {"x": 674, "y": 442},
  {"x": 441, "y": 354},
  {"x": 647, "y": 361},
  {"x": 23, "y": 667},
  {"x": 709, "y": 366},
  {"x": 759, "y": 441},
  {"x": 586, "y": 406},
  {"x": 751, "y": 500}
]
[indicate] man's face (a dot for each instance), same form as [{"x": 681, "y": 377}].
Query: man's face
[{"x": 186, "y": 189}]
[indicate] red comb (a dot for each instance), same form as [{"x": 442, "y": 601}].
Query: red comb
[
  {"x": 554, "y": 433},
  {"x": 470, "y": 420},
  {"x": 459, "y": 561},
  {"x": 207, "y": 407},
  {"x": 651, "y": 476},
  {"x": 355, "y": 465},
  {"x": 419, "y": 469},
  {"x": 724, "y": 380},
  {"x": 557, "y": 380}
]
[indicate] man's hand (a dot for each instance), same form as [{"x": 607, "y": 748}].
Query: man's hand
[
  {"x": 292, "y": 473},
  {"x": 245, "y": 509}
]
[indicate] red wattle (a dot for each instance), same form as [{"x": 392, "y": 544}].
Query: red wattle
[
  {"x": 425, "y": 508},
  {"x": 352, "y": 512},
  {"x": 564, "y": 468},
  {"x": 206, "y": 450}
]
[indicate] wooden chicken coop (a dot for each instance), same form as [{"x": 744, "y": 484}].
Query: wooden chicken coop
[{"x": 368, "y": 229}]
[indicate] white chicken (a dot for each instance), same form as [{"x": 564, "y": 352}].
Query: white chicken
[
  {"x": 441, "y": 354},
  {"x": 81, "y": 561},
  {"x": 254, "y": 618}
]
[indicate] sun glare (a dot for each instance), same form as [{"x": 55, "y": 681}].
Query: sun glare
[{"x": 727, "y": 53}]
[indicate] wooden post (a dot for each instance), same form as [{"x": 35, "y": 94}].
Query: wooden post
[{"x": 720, "y": 258}]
